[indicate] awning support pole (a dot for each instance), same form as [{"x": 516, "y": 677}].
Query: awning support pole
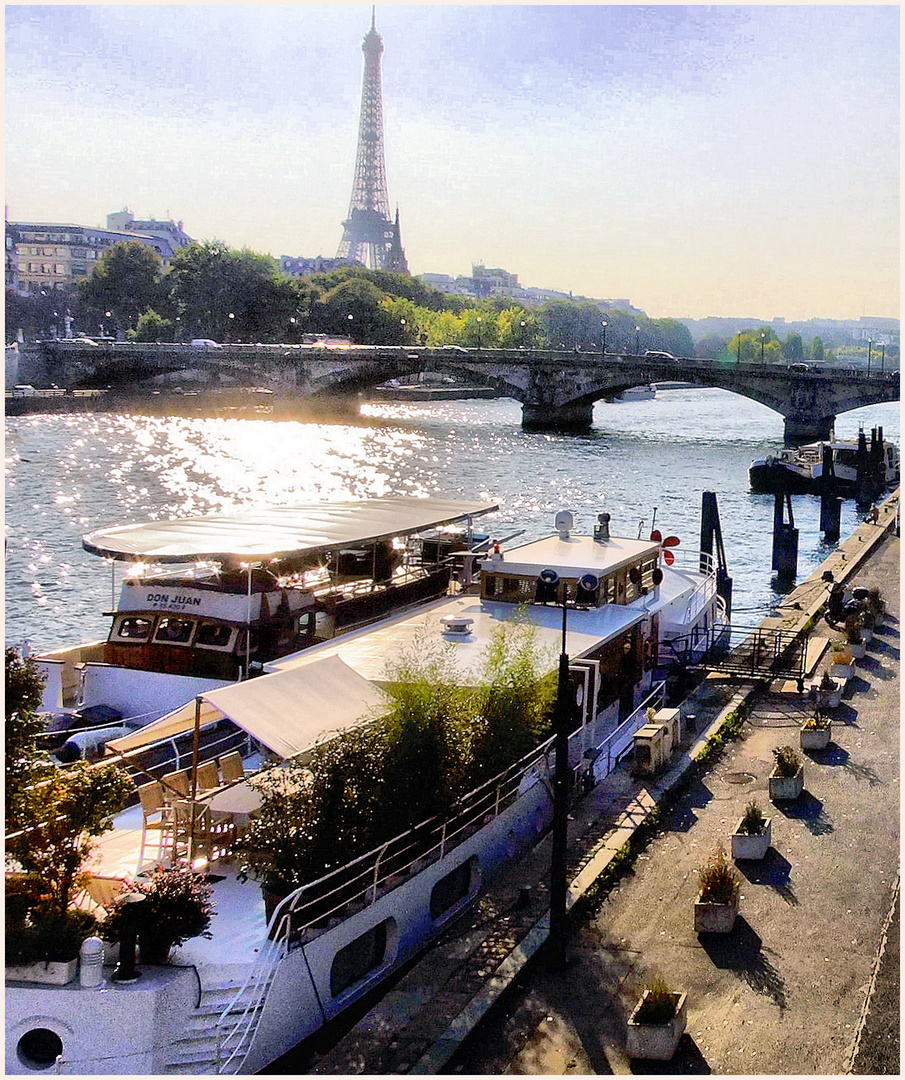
[{"x": 196, "y": 743}]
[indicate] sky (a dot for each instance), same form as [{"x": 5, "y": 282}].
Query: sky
[{"x": 718, "y": 160}]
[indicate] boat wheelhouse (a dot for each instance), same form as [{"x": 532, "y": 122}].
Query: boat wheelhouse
[{"x": 209, "y": 600}]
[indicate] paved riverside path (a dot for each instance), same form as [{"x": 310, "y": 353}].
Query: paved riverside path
[
  {"x": 785, "y": 992},
  {"x": 838, "y": 846}
]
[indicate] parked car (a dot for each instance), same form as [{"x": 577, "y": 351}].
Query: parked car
[
  {"x": 660, "y": 355},
  {"x": 203, "y": 343}
]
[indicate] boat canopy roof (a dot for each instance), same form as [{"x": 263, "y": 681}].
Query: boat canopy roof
[
  {"x": 278, "y": 532},
  {"x": 289, "y": 712}
]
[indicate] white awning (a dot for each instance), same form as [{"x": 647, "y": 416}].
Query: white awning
[
  {"x": 273, "y": 532},
  {"x": 289, "y": 712}
]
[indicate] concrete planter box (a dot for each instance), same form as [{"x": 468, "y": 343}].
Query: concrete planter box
[
  {"x": 656, "y": 1042},
  {"x": 815, "y": 738},
  {"x": 829, "y": 699},
  {"x": 714, "y": 918},
  {"x": 751, "y": 845},
  {"x": 842, "y": 672},
  {"x": 786, "y": 787},
  {"x": 858, "y": 649},
  {"x": 53, "y": 972}
]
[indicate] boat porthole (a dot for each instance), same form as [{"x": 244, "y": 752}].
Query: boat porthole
[{"x": 39, "y": 1048}]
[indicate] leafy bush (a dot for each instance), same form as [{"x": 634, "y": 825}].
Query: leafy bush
[
  {"x": 179, "y": 906},
  {"x": 659, "y": 1004},
  {"x": 787, "y": 760},
  {"x": 719, "y": 882},
  {"x": 45, "y": 935},
  {"x": 753, "y": 820}
]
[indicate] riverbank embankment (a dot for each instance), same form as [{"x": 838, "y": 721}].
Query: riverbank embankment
[{"x": 788, "y": 991}]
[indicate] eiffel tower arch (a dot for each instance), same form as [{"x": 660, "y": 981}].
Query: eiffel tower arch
[{"x": 370, "y": 235}]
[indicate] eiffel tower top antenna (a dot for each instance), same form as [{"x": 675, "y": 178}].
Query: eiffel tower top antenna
[{"x": 369, "y": 233}]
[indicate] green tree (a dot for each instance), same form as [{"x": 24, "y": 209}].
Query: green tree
[
  {"x": 233, "y": 295},
  {"x": 59, "y": 818},
  {"x": 711, "y": 347},
  {"x": 793, "y": 349},
  {"x": 515, "y": 701},
  {"x": 126, "y": 282},
  {"x": 817, "y": 350},
  {"x": 25, "y": 765},
  {"x": 151, "y": 327}
]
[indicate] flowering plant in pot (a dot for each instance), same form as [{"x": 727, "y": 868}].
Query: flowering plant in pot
[
  {"x": 178, "y": 906},
  {"x": 657, "y": 1022},
  {"x": 855, "y": 637},
  {"x": 828, "y": 692},
  {"x": 841, "y": 662},
  {"x": 787, "y": 779},
  {"x": 753, "y": 833},
  {"x": 717, "y": 903},
  {"x": 815, "y": 733}
]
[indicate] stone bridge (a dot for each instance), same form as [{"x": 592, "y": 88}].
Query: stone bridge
[{"x": 557, "y": 389}]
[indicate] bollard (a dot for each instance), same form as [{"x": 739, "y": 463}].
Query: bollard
[
  {"x": 91, "y": 963},
  {"x": 126, "y": 972},
  {"x": 691, "y": 721}
]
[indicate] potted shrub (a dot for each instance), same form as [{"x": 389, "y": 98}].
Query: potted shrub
[
  {"x": 841, "y": 663},
  {"x": 787, "y": 779},
  {"x": 816, "y": 732},
  {"x": 828, "y": 692},
  {"x": 869, "y": 623},
  {"x": 876, "y": 605},
  {"x": 657, "y": 1022},
  {"x": 42, "y": 946},
  {"x": 753, "y": 833},
  {"x": 855, "y": 638},
  {"x": 717, "y": 903},
  {"x": 178, "y": 907}
]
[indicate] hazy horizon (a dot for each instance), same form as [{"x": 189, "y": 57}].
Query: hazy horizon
[{"x": 697, "y": 161}]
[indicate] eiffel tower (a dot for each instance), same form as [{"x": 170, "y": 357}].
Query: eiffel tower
[{"x": 370, "y": 235}]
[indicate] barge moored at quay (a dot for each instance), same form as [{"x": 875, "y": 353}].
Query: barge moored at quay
[{"x": 266, "y": 980}]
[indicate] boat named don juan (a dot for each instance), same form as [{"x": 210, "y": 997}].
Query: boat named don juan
[{"x": 263, "y": 982}]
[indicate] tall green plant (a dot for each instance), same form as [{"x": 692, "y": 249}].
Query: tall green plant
[
  {"x": 24, "y": 764},
  {"x": 59, "y": 819},
  {"x": 515, "y": 700}
]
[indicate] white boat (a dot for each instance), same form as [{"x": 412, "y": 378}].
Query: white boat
[
  {"x": 238, "y": 1001},
  {"x": 800, "y": 470},
  {"x": 647, "y": 392},
  {"x": 208, "y": 600}
]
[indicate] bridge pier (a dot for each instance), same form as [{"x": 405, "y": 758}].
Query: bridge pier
[
  {"x": 575, "y": 416},
  {"x": 806, "y": 429}
]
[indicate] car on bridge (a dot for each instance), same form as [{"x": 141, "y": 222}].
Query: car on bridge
[
  {"x": 203, "y": 343},
  {"x": 659, "y": 355}
]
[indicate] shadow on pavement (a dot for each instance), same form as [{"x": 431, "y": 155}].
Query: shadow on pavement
[
  {"x": 774, "y": 870},
  {"x": 835, "y": 756},
  {"x": 681, "y": 816},
  {"x": 845, "y": 714},
  {"x": 886, "y": 649},
  {"x": 742, "y": 952},
  {"x": 809, "y": 811},
  {"x": 687, "y": 1060}
]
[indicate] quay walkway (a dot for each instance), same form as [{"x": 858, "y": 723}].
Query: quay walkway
[{"x": 804, "y": 984}]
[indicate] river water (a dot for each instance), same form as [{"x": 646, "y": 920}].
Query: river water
[{"x": 68, "y": 475}]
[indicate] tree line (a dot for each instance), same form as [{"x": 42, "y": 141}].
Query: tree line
[{"x": 213, "y": 291}]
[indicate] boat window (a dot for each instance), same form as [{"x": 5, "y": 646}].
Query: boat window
[
  {"x": 452, "y": 889},
  {"x": 174, "y": 631},
  {"x": 134, "y": 629},
  {"x": 214, "y": 636},
  {"x": 490, "y": 582},
  {"x": 359, "y": 958}
]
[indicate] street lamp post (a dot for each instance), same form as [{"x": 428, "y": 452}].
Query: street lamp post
[
  {"x": 558, "y": 856},
  {"x": 869, "y": 347},
  {"x": 882, "y": 356},
  {"x": 637, "y": 341},
  {"x": 763, "y": 338},
  {"x": 402, "y": 324},
  {"x": 604, "y": 325},
  {"x": 349, "y": 317},
  {"x": 479, "y": 330}
]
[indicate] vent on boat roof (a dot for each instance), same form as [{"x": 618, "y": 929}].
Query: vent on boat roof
[
  {"x": 602, "y": 528},
  {"x": 457, "y": 624}
]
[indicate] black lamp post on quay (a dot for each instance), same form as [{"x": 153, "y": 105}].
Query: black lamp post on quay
[{"x": 548, "y": 584}]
